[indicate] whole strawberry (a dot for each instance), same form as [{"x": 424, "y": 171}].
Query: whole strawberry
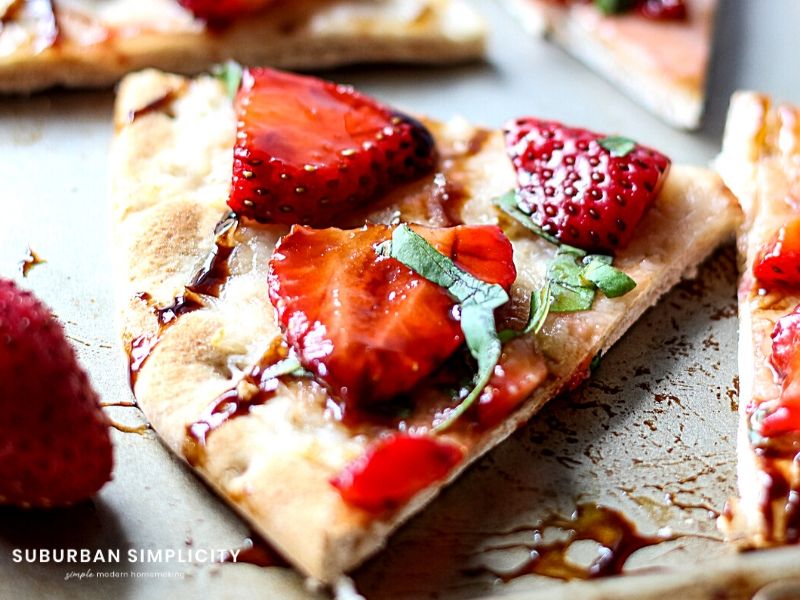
[
  {"x": 309, "y": 151},
  {"x": 586, "y": 189},
  {"x": 55, "y": 447}
]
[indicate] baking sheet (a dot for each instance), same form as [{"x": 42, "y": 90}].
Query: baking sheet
[{"x": 652, "y": 434}]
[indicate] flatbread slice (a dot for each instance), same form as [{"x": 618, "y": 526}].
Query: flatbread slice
[
  {"x": 760, "y": 162},
  {"x": 660, "y": 64},
  {"x": 85, "y": 43},
  {"x": 170, "y": 172}
]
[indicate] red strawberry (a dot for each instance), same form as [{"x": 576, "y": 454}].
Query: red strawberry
[
  {"x": 786, "y": 343},
  {"x": 579, "y": 191},
  {"x": 663, "y": 10},
  {"x": 783, "y": 416},
  {"x": 223, "y": 10},
  {"x": 778, "y": 261},
  {"x": 783, "y": 419},
  {"x": 309, "y": 151},
  {"x": 394, "y": 469},
  {"x": 55, "y": 446},
  {"x": 520, "y": 371},
  {"x": 366, "y": 325}
]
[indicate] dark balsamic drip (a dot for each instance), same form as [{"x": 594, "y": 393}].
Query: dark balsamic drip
[
  {"x": 138, "y": 353},
  {"x": 253, "y": 389},
  {"x": 616, "y": 535},
  {"x": 181, "y": 305},
  {"x": 477, "y": 141},
  {"x": 215, "y": 271},
  {"x": 450, "y": 197},
  {"x": 142, "y": 346},
  {"x": 208, "y": 281},
  {"x": 778, "y": 489},
  {"x": 160, "y": 104},
  {"x": 30, "y": 260},
  {"x": 256, "y": 552}
]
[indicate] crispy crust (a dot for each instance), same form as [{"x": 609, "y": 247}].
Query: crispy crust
[
  {"x": 169, "y": 186},
  {"x": 760, "y": 162},
  {"x": 662, "y": 66},
  {"x": 301, "y": 34}
]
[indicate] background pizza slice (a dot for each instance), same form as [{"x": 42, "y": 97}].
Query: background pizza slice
[
  {"x": 660, "y": 63},
  {"x": 275, "y": 461},
  {"x": 82, "y": 43},
  {"x": 760, "y": 162}
]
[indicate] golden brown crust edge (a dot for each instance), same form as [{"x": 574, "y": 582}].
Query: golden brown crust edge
[
  {"x": 165, "y": 207},
  {"x": 447, "y": 31}
]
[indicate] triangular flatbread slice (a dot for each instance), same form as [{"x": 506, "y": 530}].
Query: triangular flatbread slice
[
  {"x": 760, "y": 162},
  {"x": 84, "y": 43},
  {"x": 171, "y": 171},
  {"x": 660, "y": 64}
]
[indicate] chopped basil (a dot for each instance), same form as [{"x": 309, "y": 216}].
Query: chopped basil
[
  {"x": 230, "y": 74},
  {"x": 541, "y": 300},
  {"x": 612, "y": 282},
  {"x": 509, "y": 204},
  {"x": 571, "y": 293},
  {"x": 477, "y": 300},
  {"x": 613, "y": 7},
  {"x": 618, "y": 145},
  {"x": 416, "y": 253},
  {"x": 573, "y": 277}
]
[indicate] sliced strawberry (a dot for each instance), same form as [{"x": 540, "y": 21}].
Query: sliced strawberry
[
  {"x": 310, "y": 151},
  {"x": 579, "y": 191},
  {"x": 366, "y": 325},
  {"x": 778, "y": 261},
  {"x": 663, "y": 10},
  {"x": 783, "y": 419},
  {"x": 786, "y": 343},
  {"x": 220, "y": 11},
  {"x": 520, "y": 371},
  {"x": 55, "y": 446},
  {"x": 394, "y": 469},
  {"x": 783, "y": 415}
]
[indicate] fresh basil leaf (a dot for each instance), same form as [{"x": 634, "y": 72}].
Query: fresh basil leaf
[
  {"x": 509, "y": 204},
  {"x": 610, "y": 280},
  {"x": 618, "y": 145},
  {"x": 570, "y": 292},
  {"x": 415, "y": 252},
  {"x": 230, "y": 74},
  {"x": 571, "y": 299},
  {"x": 541, "y": 300},
  {"x": 477, "y": 323},
  {"x": 567, "y": 249},
  {"x": 595, "y": 364},
  {"x": 613, "y": 7},
  {"x": 477, "y": 300}
]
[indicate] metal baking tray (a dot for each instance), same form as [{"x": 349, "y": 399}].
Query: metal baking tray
[{"x": 652, "y": 435}]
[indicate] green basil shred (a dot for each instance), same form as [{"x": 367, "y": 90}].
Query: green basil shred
[
  {"x": 230, "y": 74},
  {"x": 476, "y": 299}
]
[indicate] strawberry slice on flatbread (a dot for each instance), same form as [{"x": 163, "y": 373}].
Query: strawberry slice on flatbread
[
  {"x": 365, "y": 324},
  {"x": 588, "y": 190},
  {"x": 310, "y": 151}
]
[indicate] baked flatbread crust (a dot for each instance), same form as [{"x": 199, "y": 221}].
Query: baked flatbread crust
[
  {"x": 98, "y": 42},
  {"x": 170, "y": 180},
  {"x": 661, "y": 65},
  {"x": 760, "y": 162}
]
